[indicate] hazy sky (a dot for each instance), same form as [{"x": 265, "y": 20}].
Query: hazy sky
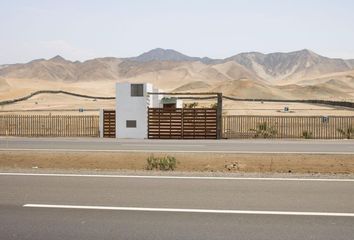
[{"x": 82, "y": 29}]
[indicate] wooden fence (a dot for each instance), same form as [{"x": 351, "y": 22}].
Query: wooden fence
[
  {"x": 49, "y": 126},
  {"x": 182, "y": 123},
  {"x": 286, "y": 127},
  {"x": 190, "y": 124},
  {"x": 109, "y": 123}
]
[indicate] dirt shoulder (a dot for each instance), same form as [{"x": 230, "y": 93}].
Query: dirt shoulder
[{"x": 187, "y": 162}]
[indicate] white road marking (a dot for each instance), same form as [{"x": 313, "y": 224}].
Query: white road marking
[
  {"x": 161, "y": 145},
  {"x": 178, "y": 177},
  {"x": 171, "y": 151},
  {"x": 181, "y": 210}
]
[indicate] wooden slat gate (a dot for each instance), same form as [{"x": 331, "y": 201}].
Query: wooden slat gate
[
  {"x": 109, "y": 123},
  {"x": 182, "y": 123}
]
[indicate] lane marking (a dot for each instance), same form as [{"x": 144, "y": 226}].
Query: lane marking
[
  {"x": 171, "y": 151},
  {"x": 161, "y": 145},
  {"x": 178, "y": 177},
  {"x": 181, "y": 210},
  {"x": 14, "y": 139}
]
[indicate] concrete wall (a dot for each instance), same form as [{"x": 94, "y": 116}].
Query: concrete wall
[
  {"x": 156, "y": 98},
  {"x": 132, "y": 108},
  {"x": 179, "y": 103}
]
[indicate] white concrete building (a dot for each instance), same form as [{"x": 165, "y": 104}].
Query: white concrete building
[
  {"x": 131, "y": 113},
  {"x": 132, "y": 102}
]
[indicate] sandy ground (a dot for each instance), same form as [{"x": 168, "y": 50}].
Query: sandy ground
[
  {"x": 277, "y": 109},
  {"x": 62, "y": 104},
  {"x": 57, "y": 103},
  {"x": 53, "y": 103},
  {"x": 197, "y": 162}
]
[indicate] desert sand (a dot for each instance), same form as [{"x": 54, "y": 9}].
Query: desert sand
[{"x": 196, "y": 162}]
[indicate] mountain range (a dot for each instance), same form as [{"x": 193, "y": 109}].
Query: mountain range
[{"x": 300, "y": 74}]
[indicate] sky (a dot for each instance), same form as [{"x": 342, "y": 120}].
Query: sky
[{"x": 85, "y": 29}]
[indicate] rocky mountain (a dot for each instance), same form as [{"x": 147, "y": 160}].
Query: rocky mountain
[
  {"x": 277, "y": 67},
  {"x": 351, "y": 63},
  {"x": 160, "y": 54},
  {"x": 3, "y": 66},
  {"x": 276, "y": 75},
  {"x": 273, "y": 67},
  {"x": 60, "y": 69}
]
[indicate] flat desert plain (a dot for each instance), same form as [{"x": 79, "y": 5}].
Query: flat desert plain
[{"x": 60, "y": 104}]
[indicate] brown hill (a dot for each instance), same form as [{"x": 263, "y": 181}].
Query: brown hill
[
  {"x": 59, "y": 69},
  {"x": 197, "y": 85},
  {"x": 53, "y": 69},
  {"x": 246, "y": 88},
  {"x": 4, "y": 85},
  {"x": 338, "y": 85},
  {"x": 301, "y": 74},
  {"x": 346, "y": 77},
  {"x": 314, "y": 92},
  {"x": 295, "y": 66}
]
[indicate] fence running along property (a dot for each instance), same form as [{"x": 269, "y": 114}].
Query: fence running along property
[
  {"x": 182, "y": 123},
  {"x": 287, "y": 127},
  {"x": 49, "y": 126},
  {"x": 195, "y": 125}
]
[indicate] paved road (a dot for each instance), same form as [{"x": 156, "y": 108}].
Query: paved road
[
  {"x": 167, "y": 208},
  {"x": 231, "y": 146}
]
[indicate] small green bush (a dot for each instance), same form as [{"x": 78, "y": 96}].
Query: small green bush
[
  {"x": 152, "y": 163},
  {"x": 167, "y": 163},
  {"x": 307, "y": 134},
  {"x": 347, "y": 133},
  {"x": 191, "y": 105},
  {"x": 214, "y": 106},
  {"x": 264, "y": 130}
]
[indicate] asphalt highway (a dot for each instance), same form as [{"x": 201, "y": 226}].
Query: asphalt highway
[
  {"x": 212, "y": 146},
  {"x": 62, "y": 206}
]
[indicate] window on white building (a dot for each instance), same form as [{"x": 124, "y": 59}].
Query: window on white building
[
  {"x": 131, "y": 124},
  {"x": 137, "y": 90}
]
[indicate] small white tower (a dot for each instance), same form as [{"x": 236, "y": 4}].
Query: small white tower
[{"x": 132, "y": 102}]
